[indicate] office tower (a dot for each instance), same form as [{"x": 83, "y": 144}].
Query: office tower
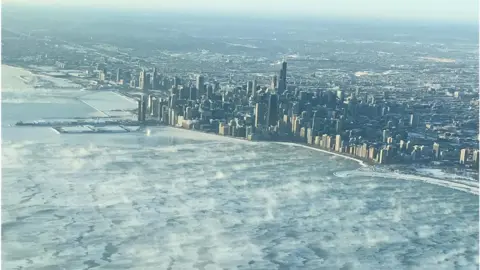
[
  {"x": 282, "y": 83},
  {"x": 154, "y": 109},
  {"x": 259, "y": 114},
  {"x": 176, "y": 82},
  {"x": 141, "y": 80},
  {"x": 139, "y": 110},
  {"x": 165, "y": 114},
  {"x": 272, "y": 112},
  {"x": 385, "y": 134},
  {"x": 249, "y": 88},
  {"x": 119, "y": 75},
  {"x": 254, "y": 88},
  {"x": 147, "y": 82},
  {"x": 209, "y": 92},
  {"x": 144, "y": 107},
  {"x": 382, "y": 156},
  {"x": 173, "y": 100},
  {"x": 200, "y": 84},
  {"x": 463, "y": 156},
  {"x": 273, "y": 84},
  {"x": 188, "y": 113},
  {"x": 328, "y": 143},
  {"x": 436, "y": 151},
  {"x": 150, "y": 99},
  {"x": 364, "y": 151},
  {"x": 372, "y": 153},
  {"x": 193, "y": 93},
  {"x": 155, "y": 79},
  {"x": 402, "y": 145},
  {"x": 160, "y": 105},
  {"x": 310, "y": 136},
  {"x": 340, "y": 96},
  {"x": 339, "y": 126},
  {"x": 316, "y": 121},
  {"x": 338, "y": 143},
  {"x": 184, "y": 93}
]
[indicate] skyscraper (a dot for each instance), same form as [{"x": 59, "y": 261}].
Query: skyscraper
[
  {"x": 141, "y": 80},
  {"x": 274, "y": 83},
  {"x": 144, "y": 107},
  {"x": 155, "y": 79},
  {"x": 249, "y": 88},
  {"x": 338, "y": 143},
  {"x": 210, "y": 92},
  {"x": 176, "y": 82},
  {"x": 147, "y": 85},
  {"x": 119, "y": 75},
  {"x": 193, "y": 93},
  {"x": 254, "y": 87},
  {"x": 140, "y": 110},
  {"x": 463, "y": 156},
  {"x": 200, "y": 84},
  {"x": 259, "y": 114},
  {"x": 282, "y": 83},
  {"x": 272, "y": 112}
]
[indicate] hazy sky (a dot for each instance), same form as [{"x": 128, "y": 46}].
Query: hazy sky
[{"x": 447, "y": 10}]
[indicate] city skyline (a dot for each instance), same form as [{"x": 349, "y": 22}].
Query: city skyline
[{"x": 150, "y": 140}]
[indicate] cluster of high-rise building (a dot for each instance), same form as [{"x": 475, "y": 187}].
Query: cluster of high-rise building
[{"x": 362, "y": 126}]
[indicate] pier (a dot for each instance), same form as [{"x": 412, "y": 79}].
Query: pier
[{"x": 76, "y": 123}]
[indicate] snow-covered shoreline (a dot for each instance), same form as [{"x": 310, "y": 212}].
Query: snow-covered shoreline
[{"x": 23, "y": 78}]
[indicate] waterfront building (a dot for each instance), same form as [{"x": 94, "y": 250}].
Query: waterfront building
[
  {"x": 436, "y": 151},
  {"x": 310, "y": 136},
  {"x": 463, "y": 156},
  {"x": 338, "y": 143}
]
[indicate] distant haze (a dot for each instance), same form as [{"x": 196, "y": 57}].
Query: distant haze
[{"x": 464, "y": 11}]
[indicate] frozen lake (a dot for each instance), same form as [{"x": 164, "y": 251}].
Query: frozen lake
[{"x": 174, "y": 199}]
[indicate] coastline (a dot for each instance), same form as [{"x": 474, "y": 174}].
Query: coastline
[
  {"x": 358, "y": 160},
  {"x": 464, "y": 186},
  {"x": 410, "y": 171},
  {"x": 362, "y": 163},
  {"x": 34, "y": 78}
]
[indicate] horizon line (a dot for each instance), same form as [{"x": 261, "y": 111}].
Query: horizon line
[{"x": 282, "y": 16}]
